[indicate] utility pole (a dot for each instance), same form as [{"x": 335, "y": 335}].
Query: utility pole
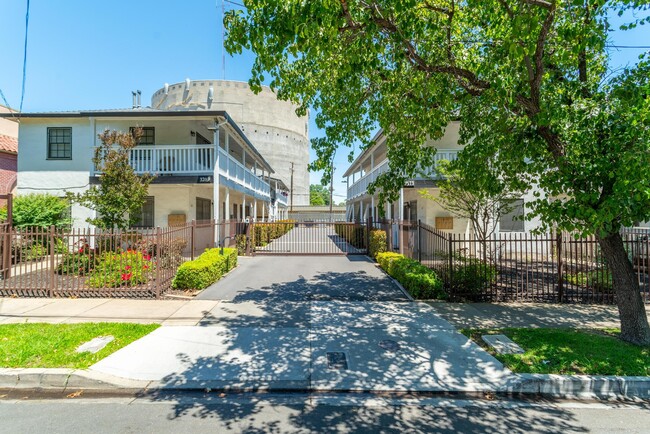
[
  {"x": 291, "y": 189},
  {"x": 331, "y": 188}
]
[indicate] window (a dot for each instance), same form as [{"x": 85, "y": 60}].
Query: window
[
  {"x": 146, "y": 217},
  {"x": 514, "y": 220},
  {"x": 59, "y": 143},
  {"x": 148, "y": 135},
  {"x": 203, "y": 209}
]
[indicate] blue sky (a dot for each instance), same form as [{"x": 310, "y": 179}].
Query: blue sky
[{"x": 89, "y": 55}]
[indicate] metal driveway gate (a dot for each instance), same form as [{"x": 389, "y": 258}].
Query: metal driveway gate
[{"x": 309, "y": 238}]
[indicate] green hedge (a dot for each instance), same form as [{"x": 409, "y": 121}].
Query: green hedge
[
  {"x": 267, "y": 232},
  {"x": 353, "y": 234},
  {"x": 205, "y": 270},
  {"x": 471, "y": 277},
  {"x": 377, "y": 243},
  {"x": 420, "y": 281}
]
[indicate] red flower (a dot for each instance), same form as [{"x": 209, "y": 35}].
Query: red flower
[
  {"x": 147, "y": 257},
  {"x": 127, "y": 276},
  {"x": 127, "y": 268},
  {"x": 145, "y": 267},
  {"x": 81, "y": 250}
]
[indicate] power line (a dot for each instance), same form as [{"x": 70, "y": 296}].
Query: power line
[
  {"x": 234, "y": 3},
  {"x": 22, "y": 93},
  {"x": 645, "y": 47}
]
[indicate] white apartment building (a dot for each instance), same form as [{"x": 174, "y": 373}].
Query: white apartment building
[
  {"x": 412, "y": 206},
  {"x": 204, "y": 165}
]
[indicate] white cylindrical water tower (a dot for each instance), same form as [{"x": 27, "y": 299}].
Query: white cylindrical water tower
[{"x": 271, "y": 125}]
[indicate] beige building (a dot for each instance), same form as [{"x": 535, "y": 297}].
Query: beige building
[{"x": 413, "y": 206}]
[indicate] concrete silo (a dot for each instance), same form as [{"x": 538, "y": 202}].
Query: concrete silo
[{"x": 270, "y": 124}]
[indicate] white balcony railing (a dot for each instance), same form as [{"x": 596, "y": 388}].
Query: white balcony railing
[
  {"x": 235, "y": 171},
  {"x": 173, "y": 159},
  {"x": 282, "y": 199},
  {"x": 194, "y": 160},
  {"x": 360, "y": 186}
]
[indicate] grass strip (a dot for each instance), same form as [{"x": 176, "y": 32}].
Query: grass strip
[
  {"x": 53, "y": 345},
  {"x": 569, "y": 351}
]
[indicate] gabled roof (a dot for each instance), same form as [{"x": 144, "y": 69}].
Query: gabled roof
[{"x": 8, "y": 144}]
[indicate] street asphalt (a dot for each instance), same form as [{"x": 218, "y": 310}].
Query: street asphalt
[{"x": 328, "y": 413}]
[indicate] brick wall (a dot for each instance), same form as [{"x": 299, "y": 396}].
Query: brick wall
[{"x": 8, "y": 167}]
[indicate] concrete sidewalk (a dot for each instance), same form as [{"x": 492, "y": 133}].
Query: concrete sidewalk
[
  {"x": 195, "y": 312},
  {"x": 537, "y": 315},
  {"x": 67, "y": 311}
]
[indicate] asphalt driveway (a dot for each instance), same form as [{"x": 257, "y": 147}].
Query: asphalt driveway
[{"x": 304, "y": 278}]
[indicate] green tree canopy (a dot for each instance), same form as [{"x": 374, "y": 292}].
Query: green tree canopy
[
  {"x": 528, "y": 80},
  {"x": 318, "y": 195}
]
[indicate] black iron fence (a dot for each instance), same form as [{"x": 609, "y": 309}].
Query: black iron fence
[{"x": 519, "y": 266}]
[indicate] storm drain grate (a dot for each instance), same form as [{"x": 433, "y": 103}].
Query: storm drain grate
[{"x": 337, "y": 360}]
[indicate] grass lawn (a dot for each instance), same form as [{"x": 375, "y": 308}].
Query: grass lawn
[
  {"x": 53, "y": 345},
  {"x": 570, "y": 351}
]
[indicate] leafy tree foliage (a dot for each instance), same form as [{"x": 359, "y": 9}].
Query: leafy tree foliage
[
  {"x": 527, "y": 79},
  {"x": 480, "y": 199},
  {"x": 42, "y": 210},
  {"x": 318, "y": 195},
  {"x": 121, "y": 192}
]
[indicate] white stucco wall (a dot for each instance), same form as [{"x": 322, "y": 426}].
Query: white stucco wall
[{"x": 271, "y": 125}]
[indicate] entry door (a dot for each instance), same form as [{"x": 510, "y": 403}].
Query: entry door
[{"x": 203, "y": 209}]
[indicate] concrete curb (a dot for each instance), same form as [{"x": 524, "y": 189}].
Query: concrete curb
[
  {"x": 399, "y": 285},
  {"x": 539, "y": 385},
  {"x": 579, "y": 386}
]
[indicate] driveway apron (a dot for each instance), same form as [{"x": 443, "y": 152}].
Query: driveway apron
[{"x": 310, "y": 323}]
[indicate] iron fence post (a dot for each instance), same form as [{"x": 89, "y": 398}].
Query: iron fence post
[
  {"x": 158, "y": 263},
  {"x": 52, "y": 285},
  {"x": 6, "y": 252},
  {"x": 560, "y": 280},
  {"x": 192, "y": 242},
  {"x": 248, "y": 238},
  {"x": 419, "y": 242},
  {"x": 367, "y": 243},
  {"x": 451, "y": 260}
]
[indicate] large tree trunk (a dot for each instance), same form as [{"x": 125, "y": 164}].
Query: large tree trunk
[{"x": 634, "y": 322}]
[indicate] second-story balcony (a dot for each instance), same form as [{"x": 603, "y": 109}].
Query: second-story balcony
[
  {"x": 198, "y": 160},
  {"x": 360, "y": 186}
]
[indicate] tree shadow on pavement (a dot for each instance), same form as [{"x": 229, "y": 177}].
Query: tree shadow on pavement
[{"x": 278, "y": 337}]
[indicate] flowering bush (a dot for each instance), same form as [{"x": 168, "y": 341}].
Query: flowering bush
[
  {"x": 127, "y": 268},
  {"x": 78, "y": 262}
]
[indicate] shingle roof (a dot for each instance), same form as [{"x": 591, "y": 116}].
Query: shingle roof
[{"x": 8, "y": 144}]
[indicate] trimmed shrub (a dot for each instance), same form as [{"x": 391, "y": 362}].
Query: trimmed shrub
[
  {"x": 377, "y": 243},
  {"x": 121, "y": 269},
  {"x": 420, "y": 281},
  {"x": 471, "y": 276},
  {"x": 205, "y": 270},
  {"x": 241, "y": 241},
  {"x": 599, "y": 280},
  {"x": 37, "y": 209},
  {"x": 76, "y": 263},
  {"x": 386, "y": 259}
]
